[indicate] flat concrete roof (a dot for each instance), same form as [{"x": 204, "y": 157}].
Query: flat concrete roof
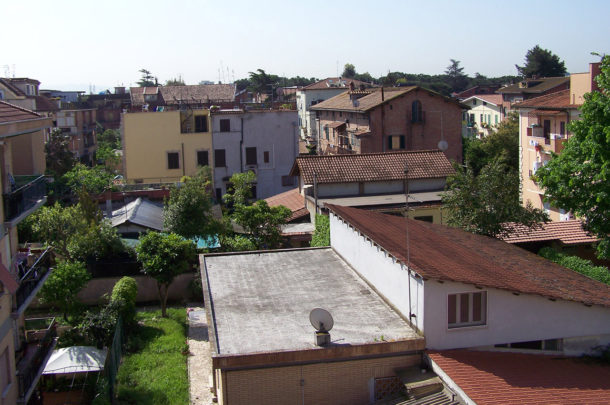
[{"x": 260, "y": 302}]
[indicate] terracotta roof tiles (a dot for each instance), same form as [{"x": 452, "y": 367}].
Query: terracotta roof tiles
[
  {"x": 191, "y": 94},
  {"x": 515, "y": 378},
  {"x": 334, "y": 83},
  {"x": 560, "y": 99},
  {"x": 13, "y": 113},
  {"x": 489, "y": 98},
  {"x": 567, "y": 232},
  {"x": 535, "y": 85},
  {"x": 444, "y": 253},
  {"x": 292, "y": 200},
  {"x": 369, "y": 101},
  {"x": 424, "y": 164}
]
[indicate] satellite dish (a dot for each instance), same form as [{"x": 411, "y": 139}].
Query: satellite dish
[
  {"x": 443, "y": 145},
  {"x": 321, "y": 320}
]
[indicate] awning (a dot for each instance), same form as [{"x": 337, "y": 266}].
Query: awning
[{"x": 75, "y": 359}]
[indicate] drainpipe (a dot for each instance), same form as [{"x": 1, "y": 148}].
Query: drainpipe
[
  {"x": 315, "y": 190},
  {"x": 183, "y": 161},
  {"x": 241, "y": 146},
  {"x": 406, "y": 171}
]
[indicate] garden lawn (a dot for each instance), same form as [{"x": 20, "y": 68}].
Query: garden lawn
[{"x": 154, "y": 366}]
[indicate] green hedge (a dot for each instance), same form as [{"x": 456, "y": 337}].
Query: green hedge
[{"x": 579, "y": 265}]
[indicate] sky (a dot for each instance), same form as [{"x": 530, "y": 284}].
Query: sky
[{"x": 86, "y": 45}]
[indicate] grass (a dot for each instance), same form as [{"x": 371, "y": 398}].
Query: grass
[{"x": 154, "y": 367}]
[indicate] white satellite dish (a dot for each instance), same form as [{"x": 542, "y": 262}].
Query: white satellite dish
[
  {"x": 321, "y": 320},
  {"x": 443, "y": 145}
]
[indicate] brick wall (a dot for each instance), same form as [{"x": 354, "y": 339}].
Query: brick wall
[{"x": 348, "y": 382}]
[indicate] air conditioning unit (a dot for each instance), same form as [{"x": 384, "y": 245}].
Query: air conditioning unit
[
  {"x": 533, "y": 142},
  {"x": 556, "y": 136}
]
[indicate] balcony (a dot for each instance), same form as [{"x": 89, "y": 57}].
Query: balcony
[
  {"x": 36, "y": 347},
  {"x": 29, "y": 193},
  {"x": 34, "y": 268}
]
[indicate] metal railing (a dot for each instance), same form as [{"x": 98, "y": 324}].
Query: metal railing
[
  {"x": 25, "y": 197},
  {"x": 32, "y": 278},
  {"x": 28, "y": 372}
]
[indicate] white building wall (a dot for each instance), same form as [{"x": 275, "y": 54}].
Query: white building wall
[
  {"x": 274, "y": 132},
  {"x": 510, "y": 318},
  {"x": 388, "y": 277},
  {"x": 306, "y": 118},
  {"x": 337, "y": 190}
]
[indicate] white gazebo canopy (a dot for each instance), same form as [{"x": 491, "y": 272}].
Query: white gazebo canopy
[{"x": 75, "y": 359}]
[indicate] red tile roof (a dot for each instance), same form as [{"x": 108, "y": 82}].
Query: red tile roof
[
  {"x": 567, "y": 232},
  {"x": 292, "y": 200},
  {"x": 423, "y": 164},
  {"x": 444, "y": 253},
  {"x": 535, "y": 85},
  {"x": 490, "y": 98},
  {"x": 560, "y": 99},
  {"x": 514, "y": 378},
  {"x": 334, "y": 83},
  {"x": 13, "y": 113},
  {"x": 191, "y": 94}
]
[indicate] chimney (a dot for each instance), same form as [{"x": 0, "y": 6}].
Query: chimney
[{"x": 119, "y": 90}]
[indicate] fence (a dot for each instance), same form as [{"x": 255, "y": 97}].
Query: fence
[{"x": 113, "y": 360}]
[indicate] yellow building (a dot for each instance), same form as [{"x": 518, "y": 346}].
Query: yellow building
[
  {"x": 543, "y": 130},
  {"x": 163, "y": 146},
  {"x": 25, "y": 344}
]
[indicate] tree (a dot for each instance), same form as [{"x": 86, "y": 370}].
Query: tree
[
  {"x": 178, "y": 81},
  {"x": 58, "y": 155},
  {"x": 61, "y": 288},
  {"x": 502, "y": 144},
  {"x": 455, "y": 73},
  {"x": 163, "y": 257},
  {"x": 262, "y": 222},
  {"x": 321, "y": 234},
  {"x": 541, "y": 63},
  {"x": 488, "y": 204},
  {"x": 73, "y": 233},
  {"x": 349, "y": 71},
  {"x": 188, "y": 211},
  {"x": 578, "y": 180},
  {"x": 261, "y": 82},
  {"x": 93, "y": 180},
  {"x": 147, "y": 80},
  {"x": 240, "y": 189}
]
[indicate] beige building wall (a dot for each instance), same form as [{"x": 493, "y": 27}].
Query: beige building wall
[
  {"x": 536, "y": 150},
  {"x": 148, "y": 137},
  {"x": 10, "y": 392},
  {"x": 346, "y": 382}
]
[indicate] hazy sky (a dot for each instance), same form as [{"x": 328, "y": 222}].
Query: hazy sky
[{"x": 71, "y": 45}]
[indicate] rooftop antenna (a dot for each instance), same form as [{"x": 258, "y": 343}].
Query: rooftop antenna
[{"x": 322, "y": 322}]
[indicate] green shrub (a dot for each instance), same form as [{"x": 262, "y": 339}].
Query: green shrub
[
  {"x": 577, "y": 264},
  {"x": 321, "y": 235},
  {"x": 124, "y": 296}
]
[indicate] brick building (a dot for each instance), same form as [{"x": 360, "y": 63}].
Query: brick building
[{"x": 389, "y": 119}]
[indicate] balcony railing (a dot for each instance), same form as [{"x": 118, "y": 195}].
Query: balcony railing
[
  {"x": 29, "y": 190},
  {"x": 40, "y": 340},
  {"x": 31, "y": 279}
]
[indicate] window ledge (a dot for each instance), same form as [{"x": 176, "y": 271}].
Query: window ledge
[{"x": 466, "y": 327}]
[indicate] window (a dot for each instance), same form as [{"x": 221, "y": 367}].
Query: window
[
  {"x": 467, "y": 309},
  {"x": 549, "y": 344},
  {"x": 225, "y": 125},
  {"x": 562, "y": 128},
  {"x": 173, "y": 160},
  {"x": 417, "y": 114},
  {"x": 251, "y": 156},
  {"x": 425, "y": 218},
  {"x": 201, "y": 123},
  {"x": 218, "y": 194},
  {"x": 396, "y": 142},
  {"x": 219, "y": 158},
  {"x": 547, "y": 129},
  {"x": 1, "y": 95},
  {"x": 202, "y": 158},
  {"x": 288, "y": 181},
  {"x": 326, "y": 132},
  {"x": 266, "y": 156}
]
